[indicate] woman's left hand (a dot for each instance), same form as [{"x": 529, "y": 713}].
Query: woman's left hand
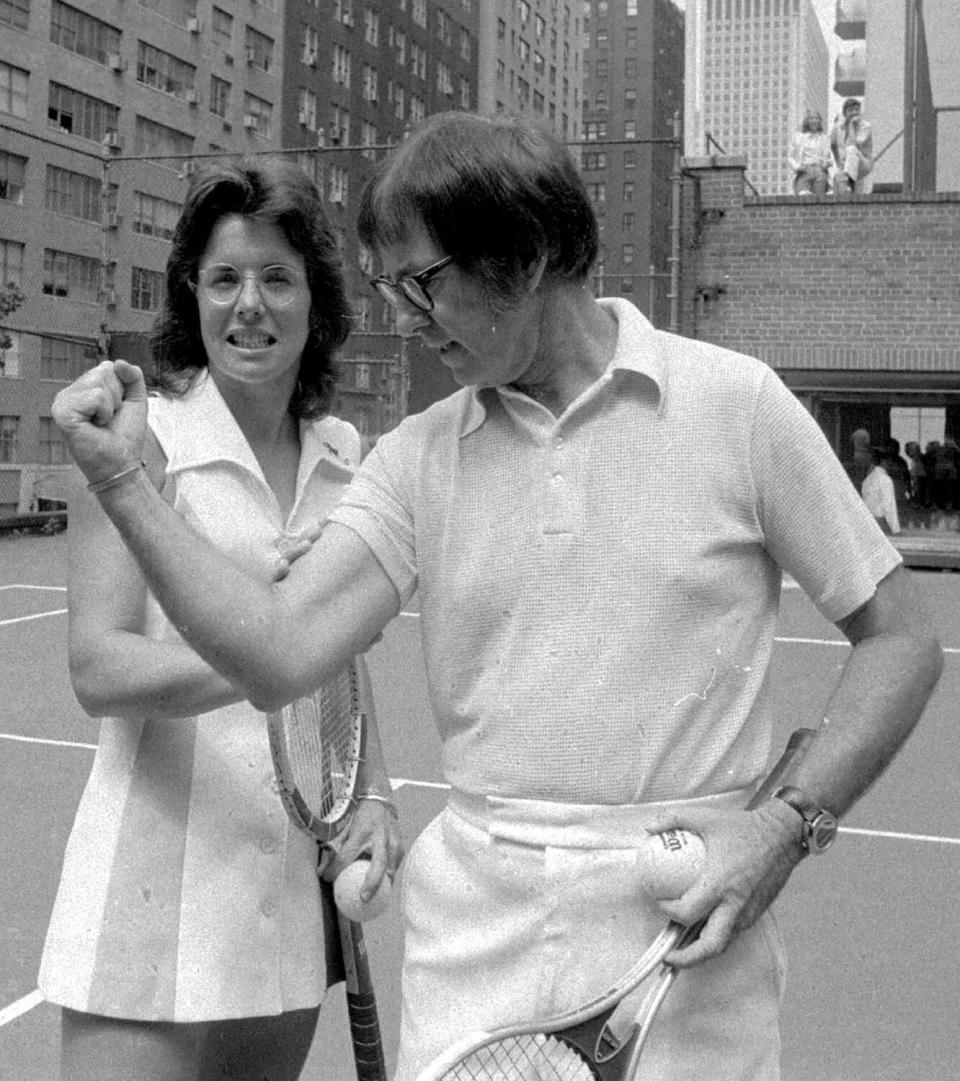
[{"x": 374, "y": 833}]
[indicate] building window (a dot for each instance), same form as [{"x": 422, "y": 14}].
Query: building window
[
  {"x": 177, "y": 11},
  {"x": 629, "y": 159},
  {"x": 310, "y": 45},
  {"x": 221, "y": 27},
  {"x": 630, "y": 99},
  {"x": 74, "y": 113},
  {"x": 153, "y": 138},
  {"x": 51, "y": 448},
  {"x": 82, "y": 33},
  {"x": 13, "y": 90},
  {"x": 597, "y": 193},
  {"x": 371, "y": 27},
  {"x": 259, "y": 49},
  {"x": 627, "y": 252},
  {"x": 465, "y": 97},
  {"x": 63, "y": 361},
  {"x": 307, "y": 115},
  {"x": 153, "y": 216},
  {"x": 66, "y": 274},
  {"x": 10, "y": 345},
  {"x": 74, "y": 194},
  {"x": 11, "y": 262},
  {"x": 629, "y": 129},
  {"x": 146, "y": 289},
  {"x": 15, "y": 13},
  {"x": 219, "y": 96},
  {"x": 628, "y": 191},
  {"x": 257, "y": 115},
  {"x": 419, "y": 12},
  {"x": 9, "y": 439},
  {"x": 165, "y": 72},
  {"x": 629, "y": 222},
  {"x": 13, "y": 174},
  {"x": 444, "y": 79},
  {"x": 369, "y": 83},
  {"x": 341, "y": 65},
  {"x": 339, "y": 184}
]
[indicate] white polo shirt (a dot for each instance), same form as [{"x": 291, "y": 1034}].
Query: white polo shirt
[{"x": 599, "y": 590}]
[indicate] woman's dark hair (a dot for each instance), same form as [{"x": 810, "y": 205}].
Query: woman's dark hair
[
  {"x": 494, "y": 192},
  {"x": 278, "y": 192}
]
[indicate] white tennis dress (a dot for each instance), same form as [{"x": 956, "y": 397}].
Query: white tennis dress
[{"x": 186, "y": 895}]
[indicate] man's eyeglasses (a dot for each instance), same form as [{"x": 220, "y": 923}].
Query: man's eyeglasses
[
  {"x": 411, "y": 287},
  {"x": 222, "y": 283}
]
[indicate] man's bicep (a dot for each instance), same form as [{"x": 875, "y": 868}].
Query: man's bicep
[
  {"x": 339, "y": 592},
  {"x": 893, "y": 609}
]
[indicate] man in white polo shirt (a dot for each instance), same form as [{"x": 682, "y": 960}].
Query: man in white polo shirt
[{"x": 597, "y": 608}]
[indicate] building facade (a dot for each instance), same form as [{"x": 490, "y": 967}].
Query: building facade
[
  {"x": 531, "y": 61},
  {"x": 632, "y": 98},
  {"x": 106, "y": 108},
  {"x": 754, "y": 68}
]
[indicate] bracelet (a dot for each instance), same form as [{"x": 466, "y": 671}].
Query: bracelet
[
  {"x": 375, "y": 797},
  {"x": 117, "y": 479}
]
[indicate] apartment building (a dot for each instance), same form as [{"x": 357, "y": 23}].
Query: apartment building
[
  {"x": 106, "y": 107},
  {"x": 531, "y": 61},
  {"x": 633, "y": 91}
]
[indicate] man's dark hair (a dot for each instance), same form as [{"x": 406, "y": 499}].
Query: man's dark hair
[{"x": 494, "y": 192}]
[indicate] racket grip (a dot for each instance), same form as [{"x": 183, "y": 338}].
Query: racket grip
[{"x": 365, "y": 1032}]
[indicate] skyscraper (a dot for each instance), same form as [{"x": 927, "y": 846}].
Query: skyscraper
[
  {"x": 633, "y": 87},
  {"x": 754, "y": 67}
]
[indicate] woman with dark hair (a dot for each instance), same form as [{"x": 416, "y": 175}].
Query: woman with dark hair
[
  {"x": 186, "y": 943},
  {"x": 597, "y": 611}
]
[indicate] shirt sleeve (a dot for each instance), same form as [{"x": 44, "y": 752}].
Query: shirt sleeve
[
  {"x": 378, "y": 507},
  {"x": 815, "y": 524}
]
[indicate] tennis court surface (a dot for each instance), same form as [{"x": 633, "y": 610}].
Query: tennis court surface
[{"x": 871, "y": 929}]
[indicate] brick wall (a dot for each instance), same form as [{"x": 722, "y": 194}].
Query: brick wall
[{"x": 863, "y": 284}]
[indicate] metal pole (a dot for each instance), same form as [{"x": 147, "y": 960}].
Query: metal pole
[
  {"x": 103, "y": 339},
  {"x": 674, "y": 257}
]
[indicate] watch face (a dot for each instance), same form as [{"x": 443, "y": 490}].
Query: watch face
[{"x": 822, "y": 832}]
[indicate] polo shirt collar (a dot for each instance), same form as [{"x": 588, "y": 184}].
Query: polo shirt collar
[
  {"x": 638, "y": 350},
  {"x": 209, "y": 433}
]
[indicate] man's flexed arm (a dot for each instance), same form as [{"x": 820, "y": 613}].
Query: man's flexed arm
[{"x": 274, "y": 641}]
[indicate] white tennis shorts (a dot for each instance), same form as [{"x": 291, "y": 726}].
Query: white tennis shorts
[{"x": 520, "y": 908}]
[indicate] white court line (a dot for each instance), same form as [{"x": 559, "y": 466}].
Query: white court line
[
  {"x": 21, "y": 1006},
  {"x": 926, "y": 838},
  {"x": 47, "y": 742},
  {"x": 27, "y": 619},
  {"x": 23, "y": 585}
]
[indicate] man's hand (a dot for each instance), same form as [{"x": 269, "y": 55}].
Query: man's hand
[
  {"x": 749, "y": 857},
  {"x": 103, "y": 417}
]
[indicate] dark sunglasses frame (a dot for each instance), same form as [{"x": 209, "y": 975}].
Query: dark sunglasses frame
[{"x": 412, "y": 287}]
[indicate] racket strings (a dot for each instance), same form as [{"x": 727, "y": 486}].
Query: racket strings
[
  {"x": 320, "y": 741},
  {"x": 533, "y": 1057}
]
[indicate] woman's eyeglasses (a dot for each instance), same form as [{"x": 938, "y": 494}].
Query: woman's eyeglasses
[
  {"x": 411, "y": 287},
  {"x": 222, "y": 283}
]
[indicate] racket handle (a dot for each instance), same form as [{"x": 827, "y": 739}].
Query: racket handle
[
  {"x": 797, "y": 745},
  {"x": 365, "y": 1033},
  {"x": 361, "y": 1004}
]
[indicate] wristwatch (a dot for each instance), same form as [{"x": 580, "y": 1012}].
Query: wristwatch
[{"x": 819, "y": 825}]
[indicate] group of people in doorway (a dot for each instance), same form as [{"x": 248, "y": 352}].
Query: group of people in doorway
[
  {"x": 919, "y": 488},
  {"x": 846, "y": 152}
]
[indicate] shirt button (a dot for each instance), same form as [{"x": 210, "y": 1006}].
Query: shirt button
[
  {"x": 269, "y": 907},
  {"x": 268, "y": 845}
]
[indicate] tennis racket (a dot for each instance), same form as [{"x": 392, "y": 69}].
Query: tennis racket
[
  {"x": 318, "y": 744},
  {"x": 580, "y": 1044}
]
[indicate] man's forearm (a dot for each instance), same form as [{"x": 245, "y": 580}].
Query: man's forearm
[
  {"x": 877, "y": 703},
  {"x": 230, "y": 618}
]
